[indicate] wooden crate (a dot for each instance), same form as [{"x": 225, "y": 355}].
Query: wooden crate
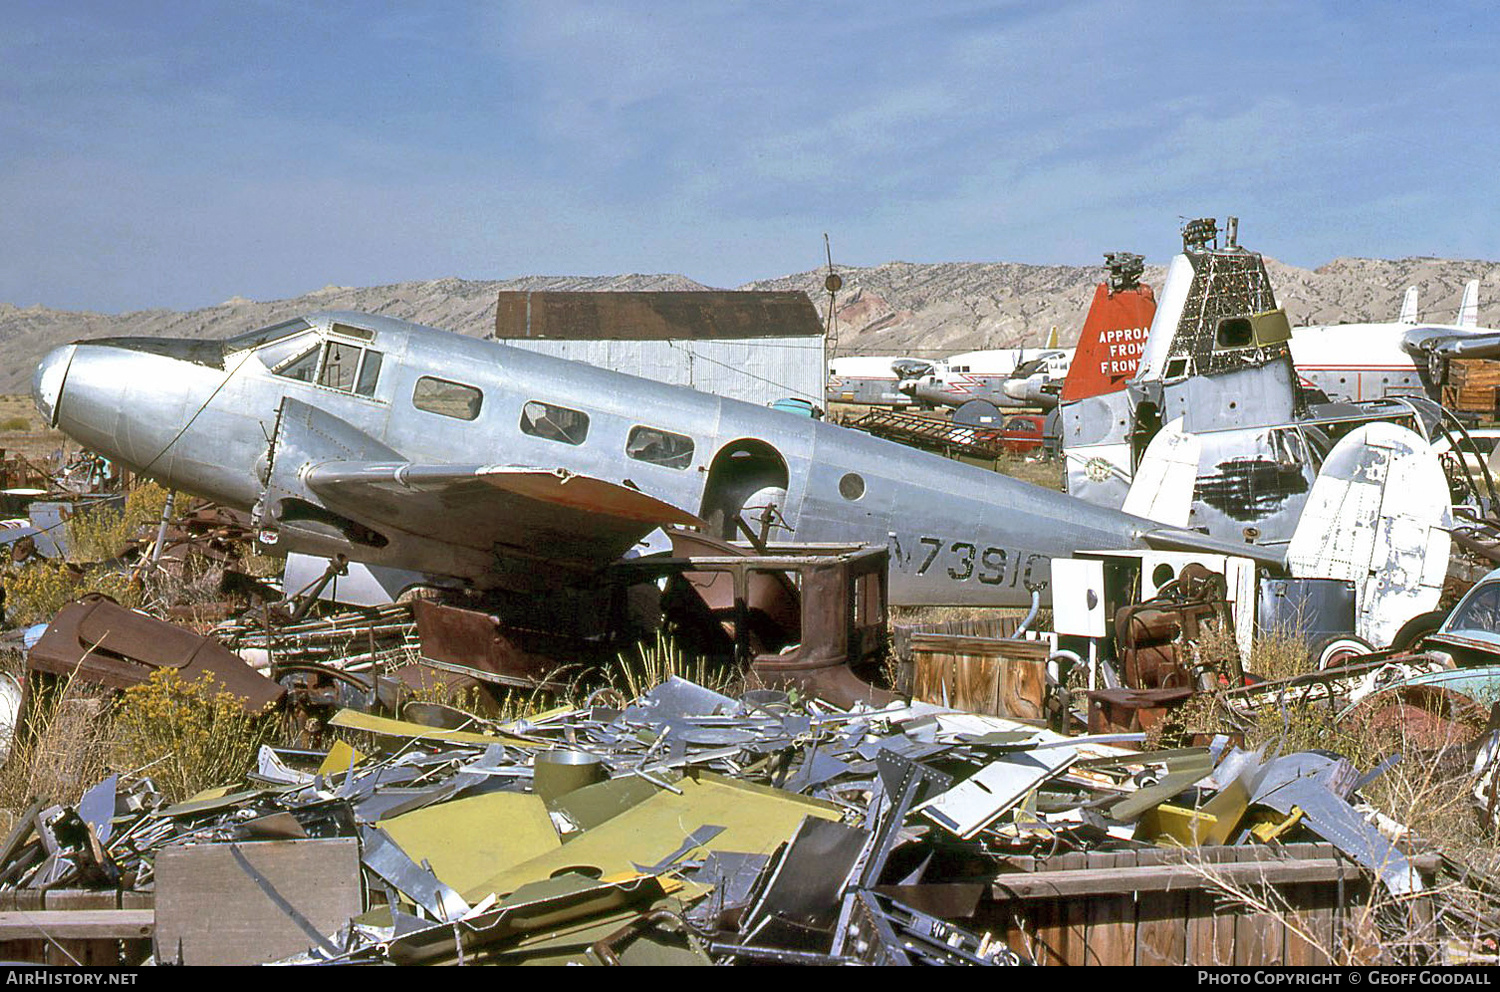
[
  {"x": 1473, "y": 373},
  {"x": 85, "y": 927},
  {"x": 1158, "y": 906},
  {"x": 1471, "y": 399},
  {"x": 998, "y": 676}
]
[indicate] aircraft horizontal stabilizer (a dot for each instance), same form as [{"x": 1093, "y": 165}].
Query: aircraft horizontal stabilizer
[{"x": 1178, "y": 539}]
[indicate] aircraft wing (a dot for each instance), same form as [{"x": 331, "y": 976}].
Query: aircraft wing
[
  {"x": 574, "y": 520},
  {"x": 1422, "y": 342}
]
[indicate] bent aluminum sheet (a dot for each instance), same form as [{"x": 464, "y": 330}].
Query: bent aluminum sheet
[{"x": 985, "y": 796}]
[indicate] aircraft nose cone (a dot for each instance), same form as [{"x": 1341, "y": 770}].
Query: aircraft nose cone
[{"x": 47, "y": 383}]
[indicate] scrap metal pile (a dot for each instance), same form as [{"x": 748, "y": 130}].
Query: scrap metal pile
[{"x": 681, "y": 827}]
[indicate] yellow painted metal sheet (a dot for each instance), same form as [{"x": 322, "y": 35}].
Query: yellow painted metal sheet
[
  {"x": 340, "y": 757},
  {"x": 468, "y": 840},
  {"x": 355, "y": 720},
  {"x": 756, "y": 820}
]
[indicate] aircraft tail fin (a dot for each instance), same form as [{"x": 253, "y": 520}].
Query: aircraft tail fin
[
  {"x": 1468, "y": 307},
  {"x": 1111, "y": 342},
  {"x": 1409, "y": 306},
  {"x": 1052, "y": 338},
  {"x": 1378, "y": 515}
]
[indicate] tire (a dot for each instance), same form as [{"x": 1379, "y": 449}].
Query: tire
[
  {"x": 1417, "y": 628},
  {"x": 1336, "y": 650}
]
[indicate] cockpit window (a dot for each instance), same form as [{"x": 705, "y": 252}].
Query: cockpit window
[
  {"x": 555, "y": 423},
  {"x": 278, "y": 353},
  {"x": 303, "y": 367},
  {"x": 340, "y": 363},
  {"x": 651, "y": 444},
  {"x": 451, "y": 399},
  {"x": 369, "y": 373},
  {"x": 256, "y": 338}
]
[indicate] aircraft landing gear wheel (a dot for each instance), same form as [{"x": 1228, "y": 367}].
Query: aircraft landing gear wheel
[{"x": 1338, "y": 650}]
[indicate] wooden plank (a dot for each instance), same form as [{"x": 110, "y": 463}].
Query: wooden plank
[
  {"x": 1258, "y": 936},
  {"x": 1162, "y": 878},
  {"x": 1048, "y": 933},
  {"x": 1161, "y": 928},
  {"x": 1074, "y": 913},
  {"x": 1210, "y": 931},
  {"x": 77, "y": 924},
  {"x": 1110, "y": 939},
  {"x": 83, "y": 950},
  {"x": 1308, "y": 933}
]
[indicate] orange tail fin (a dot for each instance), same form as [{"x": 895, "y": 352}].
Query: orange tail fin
[{"x": 1111, "y": 343}]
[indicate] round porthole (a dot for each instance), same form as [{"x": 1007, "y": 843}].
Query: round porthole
[{"x": 851, "y": 486}]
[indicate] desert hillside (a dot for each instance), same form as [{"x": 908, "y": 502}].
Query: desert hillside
[{"x": 898, "y": 307}]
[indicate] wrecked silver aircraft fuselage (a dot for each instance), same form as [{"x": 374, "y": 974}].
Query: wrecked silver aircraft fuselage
[
  {"x": 409, "y": 447},
  {"x": 1215, "y": 391}
]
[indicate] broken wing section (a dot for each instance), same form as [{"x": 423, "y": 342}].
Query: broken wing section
[{"x": 289, "y": 513}]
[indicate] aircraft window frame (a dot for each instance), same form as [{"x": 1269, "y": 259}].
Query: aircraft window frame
[
  {"x": 347, "y": 372},
  {"x": 368, "y": 377},
  {"x": 350, "y": 331},
  {"x": 265, "y": 335},
  {"x": 278, "y": 354},
  {"x": 544, "y": 424},
  {"x": 315, "y": 353},
  {"x": 664, "y": 450},
  {"x": 471, "y": 398}
]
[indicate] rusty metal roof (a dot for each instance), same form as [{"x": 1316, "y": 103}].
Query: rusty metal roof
[{"x": 659, "y": 316}]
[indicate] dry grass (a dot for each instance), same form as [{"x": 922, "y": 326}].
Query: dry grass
[
  {"x": 187, "y": 736},
  {"x": 636, "y": 673},
  {"x": 1047, "y": 473},
  {"x": 1427, "y": 793},
  {"x": 65, "y": 752}
]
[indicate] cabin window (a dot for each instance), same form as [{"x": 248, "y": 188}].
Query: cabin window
[
  {"x": 555, "y": 423},
  {"x": 659, "y": 447},
  {"x": 450, "y": 399},
  {"x": 851, "y": 486},
  {"x": 369, "y": 373},
  {"x": 302, "y": 368},
  {"x": 340, "y": 363}
]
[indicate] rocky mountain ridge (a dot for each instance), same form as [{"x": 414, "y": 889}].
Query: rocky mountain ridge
[{"x": 929, "y": 309}]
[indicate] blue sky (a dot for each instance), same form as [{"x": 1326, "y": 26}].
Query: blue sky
[{"x": 159, "y": 154}]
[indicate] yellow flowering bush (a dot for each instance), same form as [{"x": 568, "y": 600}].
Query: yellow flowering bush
[
  {"x": 193, "y": 735},
  {"x": 37, "y": 590},
  {"x": 101, "y": 533}
]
